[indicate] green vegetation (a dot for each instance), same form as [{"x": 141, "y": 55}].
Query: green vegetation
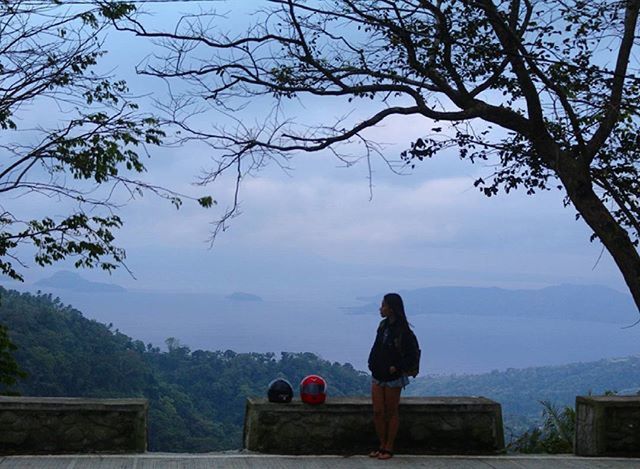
[
  {"x": 554, "y": 436},
  {"x": 196, "y": 397},
  {"x": 9, "y": 370}
]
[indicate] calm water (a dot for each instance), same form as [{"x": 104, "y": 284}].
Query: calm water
[{"x": 450, "y": 343}]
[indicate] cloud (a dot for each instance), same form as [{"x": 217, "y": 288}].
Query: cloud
[
  {"x": 322, "y": 232},
  {"x": 319, "y": 227},
  {"x": 334, "y": 217},
  {"x": 329, "y": 215}
]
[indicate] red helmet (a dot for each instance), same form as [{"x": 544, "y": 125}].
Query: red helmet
[{"x": 313, "y": 389}]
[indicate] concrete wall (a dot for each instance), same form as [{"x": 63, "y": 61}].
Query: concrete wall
[
  {"x": 607, "y": 426},
  {"x": 428, "y": 425},
  {"x": 41, "y": 425}
]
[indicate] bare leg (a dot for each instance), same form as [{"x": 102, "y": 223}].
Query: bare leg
[
  {"x": 379, "y": 421},
  {"x": 391, "y": 405}
]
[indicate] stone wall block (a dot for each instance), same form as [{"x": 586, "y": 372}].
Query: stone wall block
[
  {"x": 607, "y": 426},
  {"x": 12, "y": 438},
  {"x": 456, "y": 425},
  {"x": 35, "y": 425}
]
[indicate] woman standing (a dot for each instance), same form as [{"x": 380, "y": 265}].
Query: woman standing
[{"x": 389, "y": 365}]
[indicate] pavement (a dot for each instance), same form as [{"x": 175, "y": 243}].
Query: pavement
[{"x": 253, "y": 460}]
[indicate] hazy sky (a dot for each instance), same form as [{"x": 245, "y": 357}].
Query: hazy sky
[{"x": 315, "y": 232}]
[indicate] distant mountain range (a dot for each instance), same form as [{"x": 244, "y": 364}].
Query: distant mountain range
[
  {"x": 574, "y": 302},
  {"x": 71, "y": 281},
  {"x": 65, "y": 280},
  {"x": 571, "y": 302}
]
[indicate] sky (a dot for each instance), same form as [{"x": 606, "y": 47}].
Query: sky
[{"x": 317, "y": 231}]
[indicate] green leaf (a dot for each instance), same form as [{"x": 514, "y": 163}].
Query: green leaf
[{"x": 206, "y": 202}]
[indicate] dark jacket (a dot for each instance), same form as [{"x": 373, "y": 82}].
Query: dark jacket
[{"x": 389, "y": 350}]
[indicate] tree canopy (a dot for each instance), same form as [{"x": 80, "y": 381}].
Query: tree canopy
[
  {"x": 545, "y": 90},
  {"x": 69, "y": 133}
]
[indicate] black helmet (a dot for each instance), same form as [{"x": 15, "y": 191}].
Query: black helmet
[{"x": 280, "y": 390}]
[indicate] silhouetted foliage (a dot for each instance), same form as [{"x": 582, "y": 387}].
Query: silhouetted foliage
[
  {"x": 91, "y": 134},
  {"x": 545, "y": 91}
]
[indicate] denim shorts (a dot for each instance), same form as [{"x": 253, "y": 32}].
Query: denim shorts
[{"x": 401, "y": 382}]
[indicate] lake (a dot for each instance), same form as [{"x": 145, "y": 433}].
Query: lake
[{"x": 450, "y": 343}]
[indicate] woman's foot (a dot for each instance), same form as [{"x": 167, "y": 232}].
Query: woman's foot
[
  {"x": 375, "y": 453},
  {"x": 385, "y": 454}
]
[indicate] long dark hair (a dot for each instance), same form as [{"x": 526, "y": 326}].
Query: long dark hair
[{"x": 394, "y": 301}]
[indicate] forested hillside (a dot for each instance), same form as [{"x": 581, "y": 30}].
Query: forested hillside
[{"x": 196, "y": 397}]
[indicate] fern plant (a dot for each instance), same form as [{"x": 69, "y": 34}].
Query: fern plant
[{"x": 553, "y": 437}]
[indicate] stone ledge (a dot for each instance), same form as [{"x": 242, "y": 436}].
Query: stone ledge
[
  {"x": 428, "y": 425},
  {"x": 65, "y": 425},
  {"x": 20, "y": 402},
  {"x": 607, "y": 426}
]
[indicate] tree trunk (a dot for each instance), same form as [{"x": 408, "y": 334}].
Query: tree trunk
[{"x": 577, "y": 182}]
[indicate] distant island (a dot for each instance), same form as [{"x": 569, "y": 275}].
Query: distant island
[
  {"x": 241, "y": 296},
  {"x": 65, "y": 280}
]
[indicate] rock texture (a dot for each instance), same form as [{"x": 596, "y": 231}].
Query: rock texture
[
  {"x": 607, "y": 426},
  {"x": 34, "y": 425},
  {"x": 436, "y": 425}
]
